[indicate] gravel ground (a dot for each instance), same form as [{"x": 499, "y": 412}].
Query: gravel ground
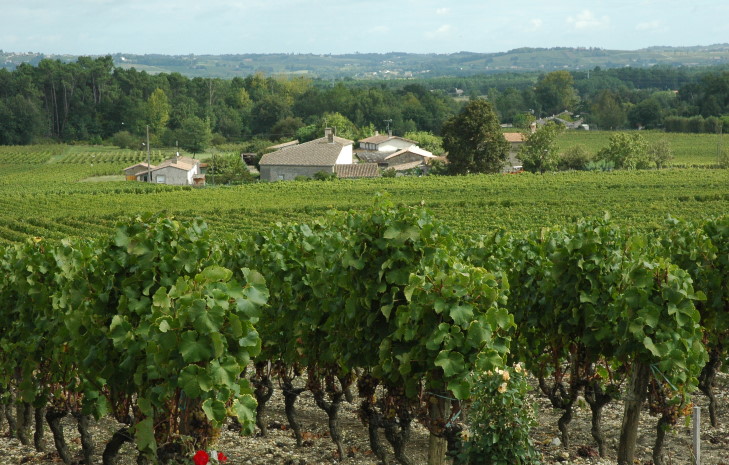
[{"x": 279, "y": 446}]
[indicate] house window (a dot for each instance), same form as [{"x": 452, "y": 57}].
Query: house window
[
  {"x": 161, "y": 179},
  {"x": 280, "y": 177}
]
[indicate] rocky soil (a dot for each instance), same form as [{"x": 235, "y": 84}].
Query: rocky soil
[{"x": 279, "y": 446}]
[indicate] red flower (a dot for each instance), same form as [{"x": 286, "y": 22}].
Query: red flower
[
  {"x": 222, "y": 458},
  {"x": 201, "y": 458}
]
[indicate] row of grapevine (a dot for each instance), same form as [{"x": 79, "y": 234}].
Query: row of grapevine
[
  {"x": 604, "y": 314},
  {"x": 143, "y": 325},
  {"x": 150, "y": 325},
  {"x": 377, "y": 297},
  {"x": 468, "y": 204}
]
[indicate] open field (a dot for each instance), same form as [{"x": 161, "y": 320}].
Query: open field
[
  {"x": 41, "y": 195},
  {"x": 689, "y": 150}
]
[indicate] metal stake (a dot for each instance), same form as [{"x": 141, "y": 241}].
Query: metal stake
[{"x": 697, "y": 435}]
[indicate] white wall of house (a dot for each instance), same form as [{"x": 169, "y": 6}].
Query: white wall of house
[
  {"x": 174, "y": 175},
  {"x": 345, "y": 156}
]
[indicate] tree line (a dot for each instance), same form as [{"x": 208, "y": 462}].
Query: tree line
[{"x": 91, "y": 100}]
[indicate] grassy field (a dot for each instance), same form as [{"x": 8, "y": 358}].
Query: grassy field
[
  {"x": 689, "y": 150},
  {"x": 42, "y": 194}
]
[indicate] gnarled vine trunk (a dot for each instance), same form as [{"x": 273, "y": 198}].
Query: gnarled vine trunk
[
  {"x": 366, "y": 387},
  {"x": 111, "y": 451},
  {"x": 87, "y": 442},
  {"x": 263, "y": 390},
  {"x": 39, "y": 417},
  {"x": 53, "y": 417},
  {"x": 707, "y": 379},
  {"x": 291, "y": 394},
  {"x": 597, "y": 399}
]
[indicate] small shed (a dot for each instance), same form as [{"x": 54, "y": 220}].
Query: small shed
[{"x": 138, "y": 172}]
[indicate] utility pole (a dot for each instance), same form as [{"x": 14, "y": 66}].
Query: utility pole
[
  {"x": 149, "y": 166},
  {"x": 718, "y": 144}
]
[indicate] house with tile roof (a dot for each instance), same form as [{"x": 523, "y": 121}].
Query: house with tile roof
[
  {"x": 307, "y": 159},
  {"x": 385, "y": 143},
  {"x": 393, "y": 152},
  {"x": 178, "y": 171},
  {"x": 515, "y": 140},
  {"x": 138, "y": 172}
]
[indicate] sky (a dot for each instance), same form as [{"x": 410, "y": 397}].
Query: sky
[{"x": 181, "y": 27}]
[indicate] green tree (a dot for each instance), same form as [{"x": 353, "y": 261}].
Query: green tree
[
  {"x": 607, "y": 110},
  {"x": 194, "y": 135},
  {"x": 343, "y": 126},
  {"x": 574, "y": 158},
  {"x": 646, "y": 114},
  {"x": 228, "y": 169},
  {"x": 427, "y": 141},
  {"x": 474, "y": 141},
  {"x": 626, "y": 151},
  {"x": 660, "y": 152},
  {"x": 158, "y": 111},
  {"x": 539, "y": 152},
  {"x": 286, "y": 128},
  {"x": 556, "y": 92}
]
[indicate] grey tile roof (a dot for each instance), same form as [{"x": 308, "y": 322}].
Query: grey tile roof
[
  {"x": 372, "y": 156},
  {"x": 318, "y": 152},
  {"x": 357, "y": 170},
  {"x": 142, "y": 165}
]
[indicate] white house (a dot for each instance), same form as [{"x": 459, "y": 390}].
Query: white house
[
  {"x": 178, "y": 171},
  {"x": 385, "y": 143}
]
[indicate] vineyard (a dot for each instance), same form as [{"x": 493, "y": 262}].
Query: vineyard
[
  {"x": 156, "y": 324},
  {"x": 42, "y": 195},
  {"x": 604, "y": 286}
]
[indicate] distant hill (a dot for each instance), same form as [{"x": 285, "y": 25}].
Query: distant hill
[{"x": 402, "y": 65}]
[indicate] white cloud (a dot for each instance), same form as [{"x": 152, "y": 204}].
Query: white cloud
[
  {"x": 654, "y": 25},
  {"x": 441, "y": 32},
  {"x": 534, "y": 25},
  {"x": 442, "y": 11},
  {"x": 380, "y": 29},
  {"x": 586, "y": 19}
]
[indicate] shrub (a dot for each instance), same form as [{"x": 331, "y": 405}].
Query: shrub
[
  {"x": 600, "y": 165},
  {"x": 574, "y": 158},
  {"x": 660, "y": 153},
  {"x": 626, "y": 151},
  {"x": 696, "y": 124},
  {"x": 389, "y": 173},
  {"x": 499, "y": 421},
  {"x": 325, "y": 175},
  {"x": 125, "y": 140}
]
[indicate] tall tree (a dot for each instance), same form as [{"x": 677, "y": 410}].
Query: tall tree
[
  {"x": 607, "y": 110},
  {"x": 539, "y": 152},
  {"x": 194, "y": 135},
  {"x": 158, "y": 111},
  {"x": 556, "y": 92},
  {"x": 474, "y": 141}
]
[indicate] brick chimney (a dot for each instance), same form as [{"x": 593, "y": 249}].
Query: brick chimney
[{"x": 329, "y": 134}]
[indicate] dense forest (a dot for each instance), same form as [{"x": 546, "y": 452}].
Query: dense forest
[{"x": 93, "y": 100}]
